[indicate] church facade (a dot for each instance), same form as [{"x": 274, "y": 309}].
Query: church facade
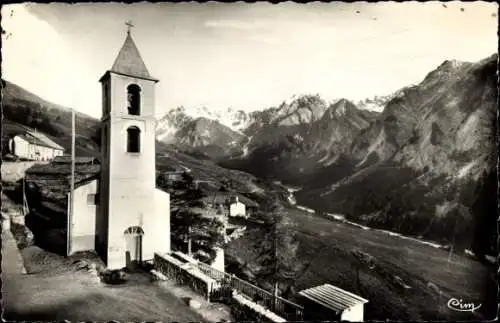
[{"x": 132, "y": 219}]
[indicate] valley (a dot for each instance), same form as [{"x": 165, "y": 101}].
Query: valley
[
  {"x": 327, "y": 252},
  {"x": 250, "y": 162},
  {"x": 390, "y": 170}
]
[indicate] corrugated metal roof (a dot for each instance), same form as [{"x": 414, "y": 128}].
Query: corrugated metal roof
[{"x": 332, "y": 297}]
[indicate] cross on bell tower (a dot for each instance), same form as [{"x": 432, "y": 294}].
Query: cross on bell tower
[{"x": 129, "y": 25}]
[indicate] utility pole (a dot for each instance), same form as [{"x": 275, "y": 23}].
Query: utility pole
[
  {"x": 275, "y": 261},
  {"x": 72, "y": 188},
  {"x": 189, "y": 241}
]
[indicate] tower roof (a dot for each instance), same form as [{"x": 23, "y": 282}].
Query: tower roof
[{"x": 129, "y": 61}]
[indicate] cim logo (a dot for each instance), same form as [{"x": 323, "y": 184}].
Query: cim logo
[{"x": 458, "y": 305}]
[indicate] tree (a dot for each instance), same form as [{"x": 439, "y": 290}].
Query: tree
[
  {"x": 187, "y": 178},
  {"x": 485, "y": 212},
  {"x": 190, "y": 230},
  {"x": 278, "y": 247}
]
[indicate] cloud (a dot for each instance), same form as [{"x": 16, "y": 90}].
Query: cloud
[{"x": 37, "y": 58}]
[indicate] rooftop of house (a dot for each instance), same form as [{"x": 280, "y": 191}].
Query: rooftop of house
[
  {"x": 222, "y": 197},
  {"x": 78, "y": 160},
  {"x": 332, "y": 297},
  {"x": 39, "y": 139},
  {"x": 57, "y": 176},
  {"x": 173, "y": 172}
]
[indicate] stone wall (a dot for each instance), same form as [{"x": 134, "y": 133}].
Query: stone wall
[{"x": 14, "y": 171}]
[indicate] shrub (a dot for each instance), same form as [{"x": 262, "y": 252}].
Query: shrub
[{"x": 113, "y": 277}]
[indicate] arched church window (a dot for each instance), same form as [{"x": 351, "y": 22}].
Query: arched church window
[
  {"x": 133, "y": 140},
  {"x": 134, "y": 99},
  {"x": 134, "y": 230}
]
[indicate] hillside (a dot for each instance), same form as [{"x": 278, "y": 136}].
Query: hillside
[
  {"x": 421, "y": 167},
  {"x": 24, "y": 109}
]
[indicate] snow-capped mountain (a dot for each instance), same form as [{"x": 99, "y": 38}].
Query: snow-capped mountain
[{"x": 376, "y": 103}]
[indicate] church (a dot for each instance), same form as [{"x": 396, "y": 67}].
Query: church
[{"x": 120, "y": 213}]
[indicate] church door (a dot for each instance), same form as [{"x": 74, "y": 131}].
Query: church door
[{"x": 133, "y": 240}]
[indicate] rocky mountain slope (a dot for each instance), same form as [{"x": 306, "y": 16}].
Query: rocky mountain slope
[
  {"x": 376, "y": 103},
  {"x": 209, "y": 137},
  {"x": 299, "y": 136},
  {"x": 435, "y": 120},
  {"x": 209, "y": 133},
  {"x": 170, "y": 123},
  {"x": 420, "y": 167}
]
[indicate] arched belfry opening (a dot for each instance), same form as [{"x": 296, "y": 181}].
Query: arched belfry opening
[
  {"x": 134, "y": 99},
  {"x": 133, "y": 140},
  {"x": 133, "y": 239}
]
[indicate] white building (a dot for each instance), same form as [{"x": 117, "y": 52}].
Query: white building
[
  {"x": 330, "y": 303},
  {"x": 119, "y": 212},
  {"x": 237, "y": 208},
  {"x": 34, "y": 146}
]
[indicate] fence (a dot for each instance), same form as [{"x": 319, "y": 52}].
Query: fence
[
  {"x": 215, "y": 285},
  {"x": 176, "y": 270},
  {"x": 228, "y": 283}
]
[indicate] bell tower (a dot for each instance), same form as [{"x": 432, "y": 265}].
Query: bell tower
[{"x": 127, "y": 181}]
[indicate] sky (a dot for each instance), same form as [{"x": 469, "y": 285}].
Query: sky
[{"x": 240, "y": 55}]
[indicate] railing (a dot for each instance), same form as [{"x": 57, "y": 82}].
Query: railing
[
  {"x": 215, "y": 284},
  {"x": 257, "y": 312},
  {"x": 174, "y": 270},
  {"x": 228, "y": 283}
]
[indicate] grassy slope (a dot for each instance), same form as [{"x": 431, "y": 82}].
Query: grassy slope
[
  {"x": 406, "y": 201},
  {"x": 325, "y": 254}
]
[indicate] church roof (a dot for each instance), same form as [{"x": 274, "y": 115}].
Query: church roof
[{"x": 129, "y": 61}]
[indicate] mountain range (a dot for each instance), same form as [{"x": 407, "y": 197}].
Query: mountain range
[{"x": 416, "y": 161}]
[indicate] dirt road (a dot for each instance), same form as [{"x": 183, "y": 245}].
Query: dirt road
[{"x": 78, "y": 296}]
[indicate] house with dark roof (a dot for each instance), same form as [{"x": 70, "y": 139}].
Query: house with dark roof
[{"x": 32, "y": 145}]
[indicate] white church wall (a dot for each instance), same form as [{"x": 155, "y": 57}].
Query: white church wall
[
  {"x": 132, "y": 165},
  {"x": 118, "y": 95},
  {"x": 219, "y": 263},
  {"x": 131, "y": 188},
  {"x": 83, "y": 219},
  {"x": 237, "y": 209},
  {"x": 160, "y": 226},
  {"x": 21, "y": 147},
  {"x": 131, "y": 204}
]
